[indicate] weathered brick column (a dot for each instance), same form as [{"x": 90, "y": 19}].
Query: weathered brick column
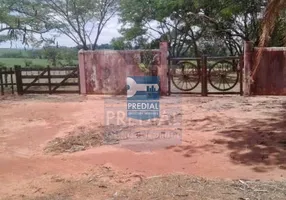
[{"x": 163, "y": 69}]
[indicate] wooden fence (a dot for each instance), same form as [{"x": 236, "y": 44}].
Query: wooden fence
[
  {"x": 7, "y": 80},
  {"x": 49, "y": 80}
]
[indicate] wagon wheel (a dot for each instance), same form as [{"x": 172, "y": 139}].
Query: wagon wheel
[
  {"x": 185, "y": 76},
  {"x": 222, "y": 76}
]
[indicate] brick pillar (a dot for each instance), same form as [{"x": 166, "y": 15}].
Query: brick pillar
[
  {"x": 163, "y": 69},
  {"x": 82, "y": 72},
  {"x": 248, "y": 53}
]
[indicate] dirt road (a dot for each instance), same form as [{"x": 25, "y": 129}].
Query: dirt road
[{"x": 226, "y": 137}]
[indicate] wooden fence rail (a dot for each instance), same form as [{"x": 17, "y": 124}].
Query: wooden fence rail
[{"x": 49, "y": 80}]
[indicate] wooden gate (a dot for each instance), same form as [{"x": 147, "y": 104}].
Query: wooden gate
[
  {"x": 205, "y": 75},
  {"x": 49, "y": 80},
  {"x": 7, "y": 81}
]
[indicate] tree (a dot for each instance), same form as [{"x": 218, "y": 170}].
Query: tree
[
  {"x": 274, "y": 9},
  {"x": 80, "y": 20},
  {"x": 186, "y": 24},
  {"x": 164, "y": 20},
  {"x": 19, "y": 21},
  {"x": 104, "y": 46},
  {"x": 53, "y": 54},
  {"x": 119, "y": 44},
  {"x": 232, "y": 21}
]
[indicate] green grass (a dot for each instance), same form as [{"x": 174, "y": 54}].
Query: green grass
[{"x": 11, "y": 62}]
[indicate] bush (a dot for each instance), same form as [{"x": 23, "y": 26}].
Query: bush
[
  {"x": 28, "y": 63},
  {"x": 2, "y": 65}
]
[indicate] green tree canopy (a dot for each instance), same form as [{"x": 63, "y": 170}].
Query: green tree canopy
[
  {"x": 187, "y": 24},
  {"x": 19, "y": 20},
  {"x": 80, "y": 20}
]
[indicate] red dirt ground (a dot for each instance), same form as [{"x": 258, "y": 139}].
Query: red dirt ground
[{"x": 227, "y": 137}]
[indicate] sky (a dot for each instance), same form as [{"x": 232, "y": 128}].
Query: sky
[{"x": 110, "y": 31}]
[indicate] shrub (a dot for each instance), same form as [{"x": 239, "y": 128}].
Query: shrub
[{"x": 28, "y": 63}]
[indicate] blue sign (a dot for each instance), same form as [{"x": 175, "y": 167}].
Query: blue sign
[{"x": 143, "y": 96}]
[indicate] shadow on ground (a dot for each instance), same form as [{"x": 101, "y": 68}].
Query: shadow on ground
[{"x": 260, "y": 142}]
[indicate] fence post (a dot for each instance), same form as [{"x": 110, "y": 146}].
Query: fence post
[
  {"x": 1, "y": 82},
  {"x": 247, "y": 68},
  {"x": 6, "y": 77},
  {"x": 18, "y": 75},
  {"x": 78, "y": 79},
  {"x": 204, "y": 76},
  {"x": 12, "y": 81},
  {"x": 82, "y": 77},
  {"x": 163, "y": 69},
  {"x": 169, "y": 75},
  {"x": 49, "y": 79},
  {"x": 241, "y": 66}
]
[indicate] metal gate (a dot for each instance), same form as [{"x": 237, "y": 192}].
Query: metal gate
[{"x": 205, "y": 75}]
